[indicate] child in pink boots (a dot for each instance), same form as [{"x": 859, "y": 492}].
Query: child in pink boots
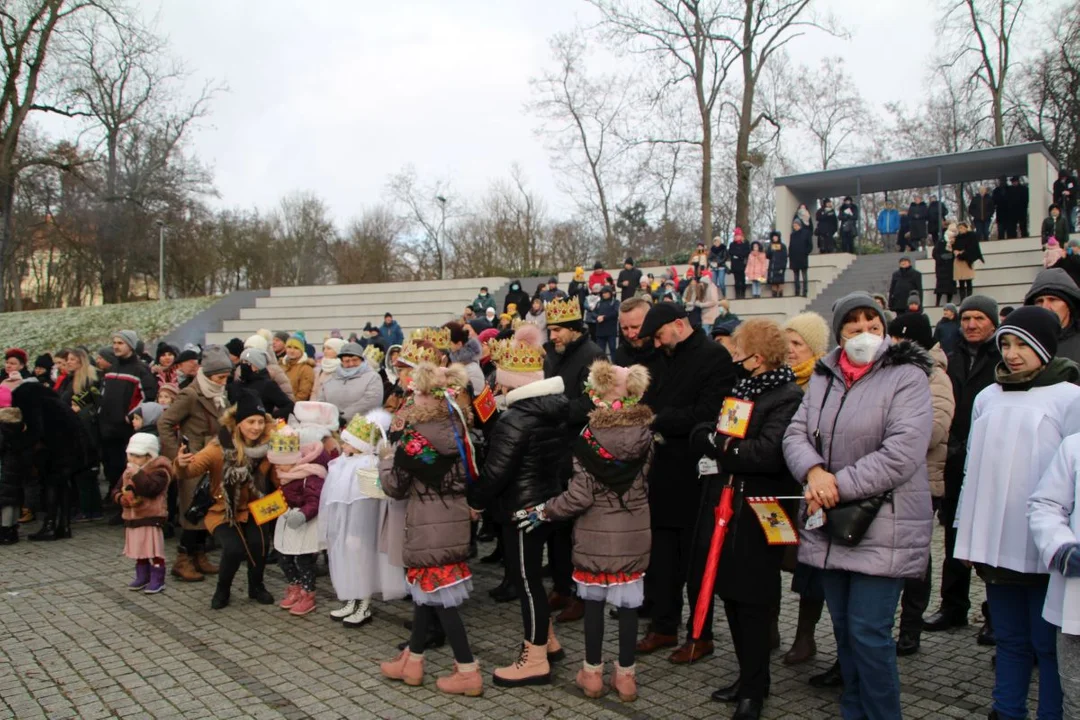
[
  {"x": 427, "y": 468},
  {"x": 299, "y": 471},
  {"x": 142, "y": 493},
  {"x": 609, "y": 495}
]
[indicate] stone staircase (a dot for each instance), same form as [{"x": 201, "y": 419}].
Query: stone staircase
[
  {"x": 316, "y": 310},
  {"x": 866, "y": 272}
]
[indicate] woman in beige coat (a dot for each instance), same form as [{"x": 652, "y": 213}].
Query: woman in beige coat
[{"x": 916, "y": 596}]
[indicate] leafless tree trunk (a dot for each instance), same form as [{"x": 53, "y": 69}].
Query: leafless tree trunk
[
  {"x": 426, "y": 207},
  {"x": 584, "y": 118},
  {"x": 982, "y": 31},
  {"x": 691, "y": 40},
  {"x": 836, "y": 113}
]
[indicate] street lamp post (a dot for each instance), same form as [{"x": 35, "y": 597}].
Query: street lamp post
[
  {"x": 161, "y": 260},
  {"x": 439, "y": 239}
]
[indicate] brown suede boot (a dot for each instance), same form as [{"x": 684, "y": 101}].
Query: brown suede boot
[
  {"x": 805, "y": 647},
  {"x": 406, "y": 667},
  {"x": 184, "y": 569},
  {"x": 203, "y": 565},
  {"x": 465, "y": 680},
  {"x": 531, "y": 668}
]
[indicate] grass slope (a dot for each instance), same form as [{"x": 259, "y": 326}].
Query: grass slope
[{"x": 39, "y": 331}]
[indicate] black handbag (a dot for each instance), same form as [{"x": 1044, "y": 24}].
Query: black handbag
[
  {"x": 201, "y": 502},
  {"x": 848, "y": 522}
]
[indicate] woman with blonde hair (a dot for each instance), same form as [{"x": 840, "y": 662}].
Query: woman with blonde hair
[
  {"x": 239, "y": 470},
  {"x": 81, "y": 389}
]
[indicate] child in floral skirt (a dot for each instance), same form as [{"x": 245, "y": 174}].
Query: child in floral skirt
[
  {"x": 427, "y": 466},
  {"x": 142, "y": 493},
  {"x": 609, "y": 495}
]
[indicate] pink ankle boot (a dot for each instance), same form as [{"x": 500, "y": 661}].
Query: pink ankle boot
[
  {"x": 305, "y": 603},
  {"x": 292, "y": 594},
  {"x": 624, "y": 683},
  {"x": 590, "y": 678},
  {"x": 465, "y": 680},
  {"x": 406, "y": 666}
]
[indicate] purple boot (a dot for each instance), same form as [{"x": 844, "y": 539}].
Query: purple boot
[
  {"x": 157, "y": 579},
  {"x": 142, "y": 575}
]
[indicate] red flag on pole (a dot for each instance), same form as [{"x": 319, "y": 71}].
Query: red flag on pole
[{"x": 723, "y": 513}]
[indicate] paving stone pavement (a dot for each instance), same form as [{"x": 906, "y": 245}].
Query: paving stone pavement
[{"x": 74, "y": 643}]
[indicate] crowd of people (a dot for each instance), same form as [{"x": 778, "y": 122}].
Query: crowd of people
[{"x": 604, "y": 438}]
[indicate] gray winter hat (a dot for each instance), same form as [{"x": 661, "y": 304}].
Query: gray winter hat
[
  {"x": 257, "y": 358},
  {"x": 129, "y": 337},
  {"x": 215, "y": 361},
  {"x": 980, "y": 303},
  {"x": 854, "y": 301},
  {"x": 352, "y": 348}
]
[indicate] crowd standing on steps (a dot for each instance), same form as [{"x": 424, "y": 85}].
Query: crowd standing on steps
[{"x": 600, "y": 428}]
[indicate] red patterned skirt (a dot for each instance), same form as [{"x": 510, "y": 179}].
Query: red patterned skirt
[{"x": 443, "y": 585}]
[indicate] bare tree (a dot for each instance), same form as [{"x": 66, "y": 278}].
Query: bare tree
[
  {"x": 691, "y": 43},
  {"x": 28, "y": 29},
  {"x": 426, "y": 208},
  {"x": 583, "y": 120},
  {"x": 1049, "y": 91},
  {"x": 766, "y": 27},
  {"x": 304, "y": 234},
  {"x": 126, "y": 83},
  {"x": 982, "y": 31},
  {"x": 835, "y": 115},
  {"x": 369, "y": 251}
]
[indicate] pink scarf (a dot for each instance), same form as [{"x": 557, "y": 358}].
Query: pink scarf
[{"x": 306, "y": 467}]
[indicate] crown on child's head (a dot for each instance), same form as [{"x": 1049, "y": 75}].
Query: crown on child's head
[
  {"x": 374, "y": 355},
  {"x": 439, "y": 337},
  {"x": 413, "y": 353},
  {"x": 520, "y": 357}
]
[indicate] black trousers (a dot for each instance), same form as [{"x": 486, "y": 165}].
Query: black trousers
[
  {"x": 955, "y": 575},
  {"x": 804, "y": 287},
  {"x": 425, "y": 617},
  {"x": 914, "y": 601},
  {"x": 677, "y": 559},
  {"x": 524, "y": 554},
  {"x": 750, "y": 627},
  {"x": 193, "y": 541},
  {"x": 560, "y": 551},
  {"x": 594, "y": 633},
  {"x": 740, "y": 283},
  {"x": 847, "y": 243},
  {"x": 299, "y": 570},
  {"x": 113, "y": 458},
  {"x": 241, "y": 543}
]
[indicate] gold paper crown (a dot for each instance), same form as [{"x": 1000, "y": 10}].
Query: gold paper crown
[
  {"x": 439, "y": 337},
  {"x": 374, "y": 355},
  {"x": 497, "y": 349},
  {"x": 413, "y": 354},
  {"x": 284, "y": 440},
  {"x": 562, "y": 311},
  {"x": 519, "y": 357},
  {"x": 363, "y": 429}
]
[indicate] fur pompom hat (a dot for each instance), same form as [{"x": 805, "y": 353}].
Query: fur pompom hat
[
  {"x": 428, "y": 380},
  {"x": 614, "y": 385}
]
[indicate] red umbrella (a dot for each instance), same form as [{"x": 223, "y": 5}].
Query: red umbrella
[{"x": 723, "y": 514}]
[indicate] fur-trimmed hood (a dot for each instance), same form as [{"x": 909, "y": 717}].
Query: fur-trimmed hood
[
  {"x": 625, "y": 433},
  {"x": 540, "y": 388},
  {"x": 633, "y": 416},
  {"x": 890, "y": 354}
]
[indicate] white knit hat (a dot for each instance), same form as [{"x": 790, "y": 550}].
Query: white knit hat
[
  {"x": 256, "y": 341},
  {"x": 144, "y": 444}
]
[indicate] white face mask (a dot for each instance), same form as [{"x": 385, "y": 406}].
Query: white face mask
[{"x": 862, "y": 348}]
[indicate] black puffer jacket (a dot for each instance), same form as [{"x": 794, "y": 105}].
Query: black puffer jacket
[
  {"x": 16, "y": 460},
  {"x": 527, "y": 445},
  {"x": 518, "y": 297}
]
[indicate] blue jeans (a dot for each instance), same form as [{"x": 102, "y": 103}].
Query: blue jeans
[
  {"x": 607, "y": 344},
  {"x": 720, "y": 280},
  {"x": 982, "y": 229},
  {"x": 755, "y": 288},
  {"x": 862, "y": 609},
  {"x": 1022, "y": 633}
]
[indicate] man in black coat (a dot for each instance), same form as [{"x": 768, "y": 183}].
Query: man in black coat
[
  {"x": 256, "y": 380},
  {"x": 938, "y": 213},
  {"x": 1001, "y": 207},
  {"x": 570, "y": 354},
  {"x": 517, "y": 297},
  {"x": 629, "y": 279},
  {"x": 691, "y": 376},
  {"x": 918, "y": 216},
  {"x": 128, "y": 383},
  {"x": 1016, "y": 200},
  {"x": 905, "y": 280},
  {"x": 800, "y": 245},
  {"x": 971, "y": 370}
]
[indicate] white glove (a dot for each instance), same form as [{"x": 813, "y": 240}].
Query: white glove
[{"x": 294, "y": 518}]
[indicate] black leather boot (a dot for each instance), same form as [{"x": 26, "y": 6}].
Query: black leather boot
[{"x": 47, "y": 532}]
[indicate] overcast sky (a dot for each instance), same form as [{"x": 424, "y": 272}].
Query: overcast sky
[{"x": 333, "y": 97}]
